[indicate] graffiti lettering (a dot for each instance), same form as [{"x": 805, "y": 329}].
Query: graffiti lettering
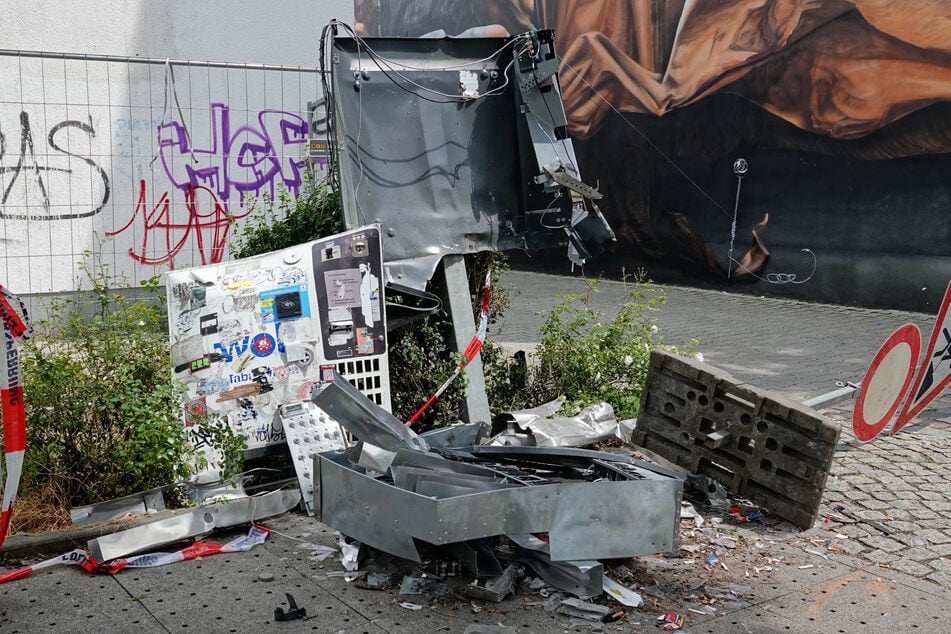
[
  {"x": 239, "y": 160},
  {"x": 35, "y": 180},
  {"x": 164, "y": 235}
]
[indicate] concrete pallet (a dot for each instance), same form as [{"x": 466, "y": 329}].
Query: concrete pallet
[{"x": 770, "y": 451}]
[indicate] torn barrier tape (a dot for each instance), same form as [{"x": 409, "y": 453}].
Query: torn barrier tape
[
  {"x": 16, "y": 327},
  {"x": 257, "y": 535},
  {"x": 474, "y": 347}
]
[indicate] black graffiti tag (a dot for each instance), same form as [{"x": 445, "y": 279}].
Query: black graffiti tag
[{"x": 28, "y": 167}]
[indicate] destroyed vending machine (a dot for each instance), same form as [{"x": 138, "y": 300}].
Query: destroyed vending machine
[{"x": 249, "y": 337}]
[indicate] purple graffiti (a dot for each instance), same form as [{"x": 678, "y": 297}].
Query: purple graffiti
[{"x": 239, "y": 159}]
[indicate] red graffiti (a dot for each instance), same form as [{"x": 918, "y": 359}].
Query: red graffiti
[{"x": 165, "y": 234}]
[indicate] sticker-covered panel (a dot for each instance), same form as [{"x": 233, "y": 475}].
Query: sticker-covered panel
[{"x": 250, "y": 335}]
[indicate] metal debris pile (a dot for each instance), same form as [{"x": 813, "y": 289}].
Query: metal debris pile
[{"x": 498, "y": 514}]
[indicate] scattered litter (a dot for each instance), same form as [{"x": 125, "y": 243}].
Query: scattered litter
[
  {"x": 711, "y": 561},
  {"x": 494, "y": 589},
  {"x": 622, "y": 594},
  {"x": 293, "y": 612},
  {"x": 687, "y": 511},
  {"x": 742, "y": 517},
  {"x": 726, "y": 542},
  {"x": 584, "y": 610},
  {"x": 805, "y": 567},
  {"x": 420, "y": 583},
  {"x": 318, "y": 552},
  {"x": 410, "y": 606},
  {"x": 266, "y": 577},
  {"x": 672, "y": 621},
  {"x": 816, "y": 552}
]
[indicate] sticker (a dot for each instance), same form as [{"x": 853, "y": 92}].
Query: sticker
[
  {"x": 330, "y": 252},
  {"x": 208, "y": 324},
  {"x": 343, "y": 288},
  {"x": 364, "y": 341}
]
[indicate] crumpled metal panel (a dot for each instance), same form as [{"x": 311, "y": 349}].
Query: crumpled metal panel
[
  {"x": 444, "y": 174},
  {"x": 584, "y": 520},
  {"x": 197, "y": 522},
  {"x": 364, "y": 419}
]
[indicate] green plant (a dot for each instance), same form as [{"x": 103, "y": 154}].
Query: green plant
[
  {"x": 314, "y": 214},
  {"x": 584, "y": 355},
  {"x": 104, "y": 415}
]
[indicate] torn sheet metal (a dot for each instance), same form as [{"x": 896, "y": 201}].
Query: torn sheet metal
[
  {"x": 366, "y": 420},
  {"x": 458, "y": 435},
  {"x": 494, "y": 589},
  {"x": 371, "y": 457},
  {"x": 191, "y": 524},
  {"x": 584, "y": 520},
  {"x": 580, "y": 578},
  {"x": 467, "y": 168},
  {"x": 151, "y": 501}
]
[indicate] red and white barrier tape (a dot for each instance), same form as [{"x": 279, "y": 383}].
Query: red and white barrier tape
[
  {"x": 468, "y": 354},
  {"x": 257, "y": 535},
  {"x": 16, "y": 327}
]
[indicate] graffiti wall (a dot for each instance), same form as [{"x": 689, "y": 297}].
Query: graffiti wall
[
  {"x": 118, "y": 139},
  {"x": 788, "y": 147}
]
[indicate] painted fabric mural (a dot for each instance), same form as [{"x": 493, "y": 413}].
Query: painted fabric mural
[{"x": 840, "y": 107}]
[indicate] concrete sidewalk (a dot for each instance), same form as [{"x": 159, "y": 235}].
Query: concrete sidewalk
[{"x": 835, "y": 577}]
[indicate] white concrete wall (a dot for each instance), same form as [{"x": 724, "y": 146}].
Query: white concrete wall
[{"x": 98, "y": 156}]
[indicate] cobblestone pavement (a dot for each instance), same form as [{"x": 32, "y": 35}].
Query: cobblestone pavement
[{"x": 802, "y": 350}]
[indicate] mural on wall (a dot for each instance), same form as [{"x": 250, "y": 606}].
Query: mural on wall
[{"x": 840, "y": 110}]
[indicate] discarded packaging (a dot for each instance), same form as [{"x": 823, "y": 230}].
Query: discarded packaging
[
  {"x": 672, "y": 621},
  {"x": 621, "y": 594}
]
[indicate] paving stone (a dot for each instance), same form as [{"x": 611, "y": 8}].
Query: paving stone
[
  {"x": 880, "y": 557},
  {"x": 934, "y": 536},
  {"x": 902, "y": 526},
  {"x": 911, "y": 567},
  {"x": 919, "y": 553},
  {"x": 943, "y": 550},
  {"x": 923, "y": 514},
  {"x": 938, "y": 507},
  {"x": 884, "y": 496},
  {"x": 910, "y": 539},
  {"x": 877, "y": 516},
  {"x": 925, "y": 494},
  {"x": 883, "y": 543}
]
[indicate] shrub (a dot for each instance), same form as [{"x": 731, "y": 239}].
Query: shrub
[
  {"x": 584, "y": 356},
  {"x": 271, "y": 226},
  {"x": 104, "y": 414}
]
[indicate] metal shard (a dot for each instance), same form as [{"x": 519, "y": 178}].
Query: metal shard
[{"x": 197, "y": 522}]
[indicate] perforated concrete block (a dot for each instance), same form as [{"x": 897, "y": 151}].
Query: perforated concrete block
[{"x": 762, "y": 447}]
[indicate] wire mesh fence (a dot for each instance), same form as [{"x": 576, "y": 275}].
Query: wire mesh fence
[{"x": 140, "y": 164}]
